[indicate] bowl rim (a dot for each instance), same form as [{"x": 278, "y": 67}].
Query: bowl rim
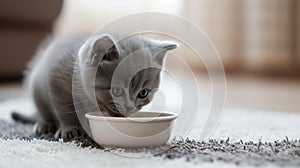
[{"x": 171, "y": 116}]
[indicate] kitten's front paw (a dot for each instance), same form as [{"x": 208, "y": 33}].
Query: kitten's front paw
[
  {"x": 42, "y": 128},
  {"x": 69, "y": 133}
]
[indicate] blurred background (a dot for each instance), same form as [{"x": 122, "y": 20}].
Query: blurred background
[{"x": 258, "y": 41}]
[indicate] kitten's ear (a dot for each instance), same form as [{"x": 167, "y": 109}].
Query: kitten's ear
[
  {"x": 168, "y": 45},
  {"x": 162, "y": 47},
  {"x": 103, "y": 48}
]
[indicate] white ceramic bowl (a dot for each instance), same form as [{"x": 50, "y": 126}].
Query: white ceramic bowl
[{"x": 141, "y": 130}]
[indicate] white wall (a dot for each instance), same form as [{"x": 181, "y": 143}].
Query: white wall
[{"x": 87, "y": 16}]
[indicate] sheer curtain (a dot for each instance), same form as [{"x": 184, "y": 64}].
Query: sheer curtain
[{"x": 251, "y": 35}]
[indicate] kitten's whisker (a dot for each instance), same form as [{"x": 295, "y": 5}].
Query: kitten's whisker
[
  {"x": 81, "y": 102},
  {"x": 86, "y": 108},
  {"x": 79, "y": 94}
]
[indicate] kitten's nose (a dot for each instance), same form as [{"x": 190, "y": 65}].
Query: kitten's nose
[
  {"x": 129, "y": 109},
  {"x": 129, "y": 106}
]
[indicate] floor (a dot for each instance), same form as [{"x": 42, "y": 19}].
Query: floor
[{"x": 256, "y": 109}]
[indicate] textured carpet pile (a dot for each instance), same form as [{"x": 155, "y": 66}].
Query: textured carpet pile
[
  {"x": 257, "y": 138},
  {"x": 279, "y": 153}
]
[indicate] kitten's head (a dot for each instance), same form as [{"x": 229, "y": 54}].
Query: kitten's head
[{"x": 128, "y": 71}]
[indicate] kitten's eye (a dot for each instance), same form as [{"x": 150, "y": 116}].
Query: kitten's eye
[
  {"x": 117, "y": 92},
  {"x": 143, "y": 93}
]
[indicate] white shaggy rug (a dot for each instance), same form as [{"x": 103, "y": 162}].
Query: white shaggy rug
[{"x": 238, "y": 124}]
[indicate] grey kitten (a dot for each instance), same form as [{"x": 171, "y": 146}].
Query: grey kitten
[{"x": 60, "y": 80}]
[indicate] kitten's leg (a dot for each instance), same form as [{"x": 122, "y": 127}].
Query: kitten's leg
[
  {"x": 70, "y": 126},
  {"x": 64, "y": 110},
  {"x": 46, "y": 123}
]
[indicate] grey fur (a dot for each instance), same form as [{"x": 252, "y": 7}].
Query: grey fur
[{"x": 49, "y": 79}]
